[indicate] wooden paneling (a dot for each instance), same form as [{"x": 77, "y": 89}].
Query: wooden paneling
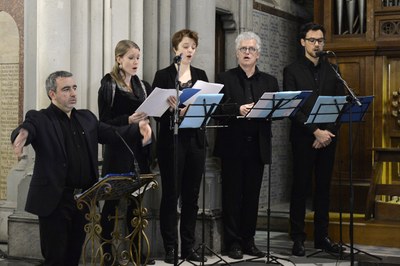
[
  {"x": 370, "y": 63},
  {"x": 353, "y": 71}
]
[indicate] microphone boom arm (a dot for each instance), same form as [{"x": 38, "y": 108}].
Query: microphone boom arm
[{"x": 352, "y": 94}]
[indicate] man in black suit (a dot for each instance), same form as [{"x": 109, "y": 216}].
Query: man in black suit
[
  {"x": 243, "y": 146},
  {"x": 65, "y": 141},
  {"x": 313, "y": 145}
]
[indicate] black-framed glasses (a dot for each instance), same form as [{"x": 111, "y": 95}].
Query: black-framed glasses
[
  {"x": 249, "y": 49},
  {"x": 313, "y": 40}
]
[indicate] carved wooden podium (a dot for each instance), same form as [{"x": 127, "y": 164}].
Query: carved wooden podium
[{"x": 126, "y": 249}]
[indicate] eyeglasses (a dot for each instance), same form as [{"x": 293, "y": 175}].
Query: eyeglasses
[
  {"x": 249, "y": 49},
  {"x": 313, "y": 40}
]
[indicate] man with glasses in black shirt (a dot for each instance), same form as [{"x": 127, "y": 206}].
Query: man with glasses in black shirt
[{"x": 313, "y": 145}]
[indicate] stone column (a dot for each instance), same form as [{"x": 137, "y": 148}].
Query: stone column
[
  {"x": 10, "y": 103},
  {"x": 167, "y": 18},
  {"x": 202, "y": 20},
  {"x": 54, "y": 42},
  {"x": 80, "y": 48},
  {"x": 151, "y": 38},
  {"x": 178, "y": 15},
  {"x": 136, "y": 29},
  {"x": 95, "y": 58},
  {"x": 245, "y": 15}
]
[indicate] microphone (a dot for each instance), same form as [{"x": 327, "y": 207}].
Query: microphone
[
  {"x": 323, "y": 53},
  {"x": 177, "y": 59},
  {"x": 127, "y": 146}
]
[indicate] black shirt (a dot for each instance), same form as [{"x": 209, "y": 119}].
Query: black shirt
[
  {"x": 79, "y": 169},
  {"x": 315, "y": 70},
  {"x": 250, "y": 126}
]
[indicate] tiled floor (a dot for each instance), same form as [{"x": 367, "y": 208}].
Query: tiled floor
[{"x": 280, "y": 248}]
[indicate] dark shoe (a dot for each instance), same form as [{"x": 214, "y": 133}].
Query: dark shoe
[
  {"x": 235, "y": 253},
  {"x": 170, "y": 256},
  {"x": 298, "y": 248},
  {"x": 143, "y": 260},
  {"x": 192, "y": 255},
  {"x": 253, "y": 251},
  {"x": 326, "y": 244},
  {"x": 150, "y": 261}
]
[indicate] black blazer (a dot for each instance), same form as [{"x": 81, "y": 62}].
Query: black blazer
[
  {"x": 50, "y": 169},
  {"x": 230, "y": 139},
  {"x": 165, "y": 79},
  {"x": 298, "y": 77}
]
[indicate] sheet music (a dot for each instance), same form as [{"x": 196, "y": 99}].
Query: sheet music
[
  {"x": 187, "y": 93},
  {"x": 204, "y": 88},
  {"x": 196, "y": 112},
  {"x": 269, "y": 100},
  {"x": 156, "y": 104},
  {"x": 326, "y": 109}
]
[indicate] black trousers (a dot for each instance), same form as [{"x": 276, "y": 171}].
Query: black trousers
[
  {"x": 306, "y": 162},
  {"x": 241, "y": 184},
  {"x": 62, "y": 233},
  {"x": 186, "y": 186}
]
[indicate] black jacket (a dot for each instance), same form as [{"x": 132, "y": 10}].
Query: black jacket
[
  {"x": 298, "y": 77},
  {"x": 165, "y": 79},
  {"x": 50, "y": 169},
  {"x": 230, "y": 139}
]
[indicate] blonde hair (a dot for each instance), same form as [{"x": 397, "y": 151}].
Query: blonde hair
[{"x": 121, "y": 49}]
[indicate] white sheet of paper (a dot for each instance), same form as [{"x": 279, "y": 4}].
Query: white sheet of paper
[
  {"x": 205, "y": 88},
  {"x": 156, "y": 104}
]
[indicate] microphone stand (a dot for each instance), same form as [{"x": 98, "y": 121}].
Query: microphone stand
[
  {"x": 140, "y": 198},
  {"x": 177, "y": 61},
  {"x": 351, "y": 99},
  {"x": 203, "y": 246}
]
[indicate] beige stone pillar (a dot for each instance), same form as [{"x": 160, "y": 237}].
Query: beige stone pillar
[
  {"x": 245, "y": 15},
  {"x": 53, "y": 42},
  {"x": 95, "y": 52},
  {"x": 136, "y": 28},
  {"x": 168, "y": 16},
  {"x": 202, "y": 20},
  {"x": 152, "y": 37}
]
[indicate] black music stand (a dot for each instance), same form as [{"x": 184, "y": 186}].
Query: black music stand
[
  {"x": 273, "y": 106},
  {"x": 339, "y": 109},
  {"x": 326, "y": 110},
  {"x": 198, "y": 115},
  {"x": 353, "y": 112},
  {"x": 111, "y": 187}
]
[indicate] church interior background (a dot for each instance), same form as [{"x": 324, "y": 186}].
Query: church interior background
[{"x": 39, "y": 37}]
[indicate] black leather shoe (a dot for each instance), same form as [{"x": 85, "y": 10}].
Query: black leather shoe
[
  {"x": 235, "y": 253},
  {"x": 143, "y": 260},
  {"x": 253, "y": 251},
  {"x": 149, "y": 261},
  {"x": 298, "y": 248},
  {"x": 170, "y": 256},
  {"x": 192, "y": 255},
  {"x": 326, "y": 244}
]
